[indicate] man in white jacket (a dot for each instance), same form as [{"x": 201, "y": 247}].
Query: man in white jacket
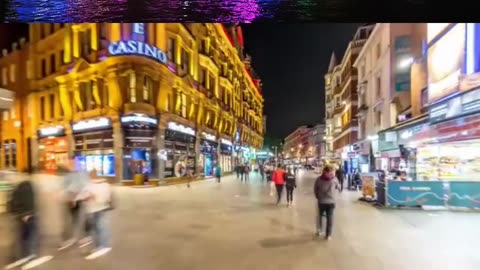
[{"x": 98, "y": 201}]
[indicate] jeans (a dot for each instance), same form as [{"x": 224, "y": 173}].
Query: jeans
[
  {"x": 218, "y": 179},
  {"x": 72, "y": 219},
  {"x": 241, "y": 177},
  {"x": 26, "y": 243},
  {"x": 247, "y": 176},
  {"x": 102, "y": 229},
  {"x": 327, "y": 210},
  {"x": 341, "y": 184},
  {"x": 290, "y": 193},
  {"x": 279, "y": 192}
]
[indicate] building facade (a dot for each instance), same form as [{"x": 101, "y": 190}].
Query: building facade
[
  {"x": 317, "y": 144},
  {"x": 140, "y": 98},
  {"x": 384, "y": 88},
  {"x": 296, "y": 147},
  {"x": 341, "y": 100}
]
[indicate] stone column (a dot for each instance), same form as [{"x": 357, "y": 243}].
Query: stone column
[
  {"x": 118, "y": 141},
  {"x": 198, "y": 168},
  {"x": 33, "y": 151},
  {"x": 161, "y": 148}
]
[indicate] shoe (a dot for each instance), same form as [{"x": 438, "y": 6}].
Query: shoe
[
  {"x": 85, "y": 242},
  {"x": 319, "y": 234},
  {"x": 37, "y": 262},
  {"x": 328, "y": 238},
  {"x": 67, "y": 244},
  {"x": 17, "y": 263},
  {"x": 97, "y": 253}
]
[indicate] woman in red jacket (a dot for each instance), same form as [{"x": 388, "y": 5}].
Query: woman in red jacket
[{"x": 278, "y": 178}]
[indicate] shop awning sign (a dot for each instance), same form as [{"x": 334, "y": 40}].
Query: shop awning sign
[
  {"x": 225, "y": 141},
  {"x": 91, "y": 124},
  {"x": 139, "y": 119},
  {"x": 209, "y": 137},
  {"x": 51, "y": 131},
  {"x": 181, "y": 128}
]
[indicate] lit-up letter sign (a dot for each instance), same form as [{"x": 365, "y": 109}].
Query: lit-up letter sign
[
  {"x": 139, "y": 28},
  {"x": 133, "y": 47},
  {"x": 91, "y": 124}
]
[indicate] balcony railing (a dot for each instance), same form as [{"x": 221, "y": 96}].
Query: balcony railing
[{"x": 339, "y": 109}]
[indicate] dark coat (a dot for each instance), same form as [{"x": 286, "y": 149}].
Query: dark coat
[
  {"x": 22, "y": 200},
  {"x": 290, "y": 180}
]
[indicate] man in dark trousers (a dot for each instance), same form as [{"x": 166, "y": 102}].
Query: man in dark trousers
[
  {"x": 340, "y": 174},
  {"x": 23, "y": 210}
]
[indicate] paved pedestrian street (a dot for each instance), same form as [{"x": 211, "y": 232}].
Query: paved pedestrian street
[{"x": 234, "y": 225}]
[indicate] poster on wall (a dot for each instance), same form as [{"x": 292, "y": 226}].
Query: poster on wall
[
  {"x": 445, "y": 60},
  {"x": 368, "y": 184},
  {"x": 180, "y": 169}
]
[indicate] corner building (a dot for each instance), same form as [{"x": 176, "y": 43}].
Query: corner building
[{"x": 141, "y": 98}]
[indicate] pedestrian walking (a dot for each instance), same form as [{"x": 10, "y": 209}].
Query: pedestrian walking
[
  {"x": 324, "y": 190},
  {"x": 98, "y": 198},
  {"x": 262, "y": 171},
  {"x": 23, "y": 209},
  {"x": 74, "y": 182},
  {"x": 290, "y": 184},
  {"x": 237, "y": 170},
  {"x": 295, "y": 169},
  {"x": 247, "y": 172},
  {"x": 340, "y": 174},
  {"x": 218, "y": 173},
  {"x": 278, "y": 178},
  {"x": 241, "y": 168}
]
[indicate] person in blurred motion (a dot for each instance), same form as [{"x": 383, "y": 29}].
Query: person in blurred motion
[
  {"x": 278, "y": 178},
  {"x": 324, "y": 191},
  {"x": 237, "y": 170},
  {"x": 98, "y": 198},
  {"x": 24, "y": 212},
  {"x": 246, "y": 171},
  {"x": 290, "y": 184},
  {"x": 262, "y": 171},
  {"x": 340, "y": 174},
  {"x": 218, "y": 173},
  {"x": 74, "y": 182},
  {"x": 241, "y": 169},
  {"x": 295, "y": 169}
]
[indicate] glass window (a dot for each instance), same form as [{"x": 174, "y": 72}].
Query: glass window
[
  {"x": 53, "y": 63},
  {"x": 171, "y": 49},
  {"x": 62, "y": 56},
  {"x": 4, "y": 76},
  {"x": 5, "y": 115},
  {"x": 185, "y": 61},
  {"x": 132, "y": 90},
  {"x": 147, "y": 89},
  {"x": 42, "y": 108},
  {"x": 52, "y": 106},
  {"x": 13, "y": 72},
  {"x": 184, "y": 106},
  {"x": 44, "y": 68}
]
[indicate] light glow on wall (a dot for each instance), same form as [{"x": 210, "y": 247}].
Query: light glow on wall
[
  {"x": 470, "y": 40},
  {"x": 445, "y": 63}
]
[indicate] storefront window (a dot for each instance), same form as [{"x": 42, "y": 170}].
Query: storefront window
[
  {"x": 180, "y": 150},
  {"x": 147, "y": 89},
  {"x": 132, "y": 91}
]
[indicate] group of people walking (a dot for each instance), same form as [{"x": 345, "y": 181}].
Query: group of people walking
[
  {"x": 243, "y": 172},
  {"x": 86, "y": 199}
]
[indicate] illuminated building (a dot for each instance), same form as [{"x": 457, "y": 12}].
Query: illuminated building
[
  {"x": 448, "y": 148},
  {"x": 385, "y": 92},
  {"x": 128, "y": 99},
  {"x": 341, "y": 100},
  {"x": 14, "y": 153},
  {"x": 296, "y": 145},
  {"x": 317, "y": 144}
]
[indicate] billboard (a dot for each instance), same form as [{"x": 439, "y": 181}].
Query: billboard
[
  {"x": 433, "y": 29},
  {"x": 403, "y": 63},
  {"x": 445, "y": 61}
]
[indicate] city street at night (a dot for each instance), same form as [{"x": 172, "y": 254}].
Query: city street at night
[{"x": 235, "y": 225}]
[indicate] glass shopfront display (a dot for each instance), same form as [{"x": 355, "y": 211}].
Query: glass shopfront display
[
  {"x": 180, "y": 150},
  {"x": 140, "y": 142},
  {"x": 226, "y": 149},
  {"x": 94, "y": 146},
  {"x": 208, "y": 150},
  {"x": 52, "y": 148},
  {"x": 449, "y": 161}
]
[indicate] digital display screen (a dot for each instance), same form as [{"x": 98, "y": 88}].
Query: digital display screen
[
  {"x": 108, "y": 165},
  {"x": 103, "y": 164}
]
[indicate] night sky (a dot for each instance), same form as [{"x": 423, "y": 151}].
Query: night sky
[{"x": 291, "y": 60}]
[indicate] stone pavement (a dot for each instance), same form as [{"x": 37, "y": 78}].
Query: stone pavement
[{"x": 236, "y": 226}]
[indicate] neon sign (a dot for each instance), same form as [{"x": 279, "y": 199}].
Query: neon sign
[
  {"x": 226, "y": 142},
  {"x": 139, "y": 118},
  {"x": 133, "y": 47},
  {"x": 181, "y": 128},
  {"x": 91, "y": 124}
]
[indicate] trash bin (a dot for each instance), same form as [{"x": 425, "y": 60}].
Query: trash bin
[{"x": 138, "y": 179}]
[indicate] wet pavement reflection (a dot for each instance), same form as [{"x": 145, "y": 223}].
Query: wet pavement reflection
[{"x": 242, "y": 11}]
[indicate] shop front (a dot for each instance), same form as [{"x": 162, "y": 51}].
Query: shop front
[
  {"x": 208, "y": 153},
  {"x": 140, "y": 146},
  {"x": 226, "y": 151},
  {"x": 179, "y": 150},
  {"x": 52, "y": 148},
  {"x": 94, "y": 146}
]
